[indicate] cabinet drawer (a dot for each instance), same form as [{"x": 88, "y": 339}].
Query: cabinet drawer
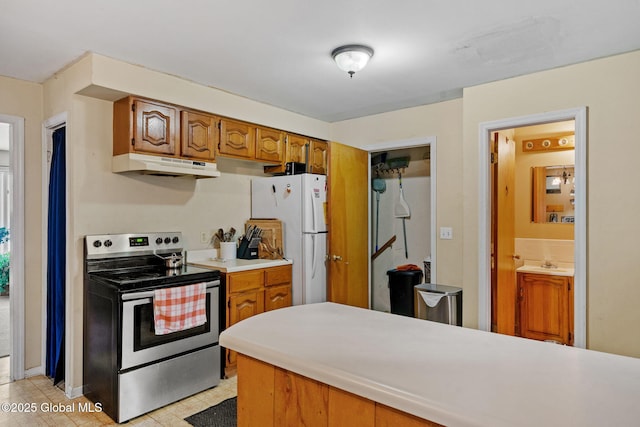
[
  {"x": 278, "y": 275},
  {"x": 245, "y": 280}
]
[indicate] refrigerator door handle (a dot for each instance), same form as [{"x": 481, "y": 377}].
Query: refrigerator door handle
[
  {"x": 313, "y": 213},
  {"x": 314, "y": 255}
]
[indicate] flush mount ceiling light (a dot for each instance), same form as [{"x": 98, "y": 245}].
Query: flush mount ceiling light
[{"x": 352, "y": 57}]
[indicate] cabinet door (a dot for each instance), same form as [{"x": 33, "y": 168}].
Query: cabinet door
[
  {"x": 318, "y": 157},
  {"x": 297, "y": 148},
  {"x": 154, "y": 127},
  {"x": 277, "y": 297},
  {"x": 199, "y": 135},
  {"x": 269, "y": 145},
  {"x": 237, "y": 139},
  {"x": 241, "y": 306},
  {"x": 544, "y": 307}
]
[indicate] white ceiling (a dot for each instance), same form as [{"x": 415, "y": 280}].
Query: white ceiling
[{"x": 278, "y": 51}]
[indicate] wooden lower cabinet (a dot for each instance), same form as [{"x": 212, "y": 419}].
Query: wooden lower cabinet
[
  {"x": 253, "y": 292},
  {"x": 545, "y": 307},
  {"x": 271, "y": 396}
]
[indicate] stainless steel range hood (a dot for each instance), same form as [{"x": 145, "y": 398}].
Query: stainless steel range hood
[{"x": 164, "y": 166}]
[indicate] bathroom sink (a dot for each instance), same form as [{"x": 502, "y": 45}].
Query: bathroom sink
[{"x": 539, "y": 269}]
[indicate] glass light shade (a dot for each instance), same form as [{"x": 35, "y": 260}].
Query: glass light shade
[{"x": 352, "y": 58}]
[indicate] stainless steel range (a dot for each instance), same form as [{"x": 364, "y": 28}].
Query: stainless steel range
[{"x": 128, "y": 368}]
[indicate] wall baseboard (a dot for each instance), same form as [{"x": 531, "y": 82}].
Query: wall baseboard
[{"x": 34, "y": 372}]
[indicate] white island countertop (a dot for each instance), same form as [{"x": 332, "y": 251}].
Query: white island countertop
[{"x": 450, "y": 375}]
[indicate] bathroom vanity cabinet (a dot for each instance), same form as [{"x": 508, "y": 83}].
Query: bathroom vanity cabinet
[{"x": 545, "y": 307}]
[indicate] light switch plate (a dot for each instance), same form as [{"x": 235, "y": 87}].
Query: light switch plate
[{"x": 446, "y": 233}]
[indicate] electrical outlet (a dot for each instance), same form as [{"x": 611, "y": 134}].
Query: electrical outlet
[
  {"x": 204, "y": 237},
  {"x": 446, "y": 233}
]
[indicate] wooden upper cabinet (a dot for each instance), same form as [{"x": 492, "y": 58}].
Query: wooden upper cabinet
[
  {"x": 237, "y": 139},
  {"x": 317, "y": 157},
  {"x": 199, "y": 135},
  {"x": 545, "y": 307},
  {"x": 302, "y": 149},
  {"x": 144, "y": 126},
  {"x": 297, "y": 148},
  {"x": 269, "y": 145}
]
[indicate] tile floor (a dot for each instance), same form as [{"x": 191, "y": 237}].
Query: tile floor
[{"x": 40, "y": 391}]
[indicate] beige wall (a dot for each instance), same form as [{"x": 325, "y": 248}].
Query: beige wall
[
  {"x": 24, "y": 99},
  {"x": 444, "y": 121},
  {"x": 610, "y": 88}
]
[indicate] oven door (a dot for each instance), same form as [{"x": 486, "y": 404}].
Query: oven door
[{"x": 140, "y": 344}]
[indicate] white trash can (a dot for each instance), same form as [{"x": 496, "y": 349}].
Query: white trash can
[{"x": 438, "y": 303}]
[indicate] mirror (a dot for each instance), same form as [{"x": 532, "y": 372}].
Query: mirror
[{"x": 553, "y": 194}]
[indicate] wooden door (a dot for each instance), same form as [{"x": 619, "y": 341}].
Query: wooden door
[
  {"x": 199, "y": 135},
  {"x": 544, "y": 307},
  {"x": 348, "y": 270},
  {"x": 269, "y": 145},
  {"x": 155, "y": 127},
  {"x": 503, "y": 224},
  {"x": 237, "y": 139}
]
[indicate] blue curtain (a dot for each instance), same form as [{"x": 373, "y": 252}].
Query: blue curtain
[{"x": 56, "y": 259}]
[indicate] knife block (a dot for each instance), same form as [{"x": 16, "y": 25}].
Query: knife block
[{"x": 248, "y": 249}]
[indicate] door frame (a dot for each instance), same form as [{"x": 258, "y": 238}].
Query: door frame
[
  {"x": 16, "y": 298},
  {"x": 48, "y": 127},
  {"x": 399, "y": 145},
  {"x": 579, "y": 115}
]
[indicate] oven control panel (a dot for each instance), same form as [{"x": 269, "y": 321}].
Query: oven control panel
[{"x": 101, "y": 245}]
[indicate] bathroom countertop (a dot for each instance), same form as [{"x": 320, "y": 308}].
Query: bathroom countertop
[
  {"x": 451, "y": 375},
  {"x": 538, "y": 267}
]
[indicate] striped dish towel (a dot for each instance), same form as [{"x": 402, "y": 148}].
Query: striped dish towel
[{"x": 179, "y": 308}]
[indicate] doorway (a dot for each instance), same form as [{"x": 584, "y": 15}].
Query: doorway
[
  {"x": 485, "y": 294},
  {"x": 533, "y": 195},
  {"x": 12, "y": 248},
  {"x": 414, "y": 162},
  {"x": 55, "y": 299}
]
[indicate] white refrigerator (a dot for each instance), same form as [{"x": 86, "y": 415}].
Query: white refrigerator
[{"x": 299, "y": 201}]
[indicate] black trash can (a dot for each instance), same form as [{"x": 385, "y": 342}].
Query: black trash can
[{"x": 401, "y": 292}]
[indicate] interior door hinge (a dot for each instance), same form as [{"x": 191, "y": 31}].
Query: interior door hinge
[{"x": 493, "y": 158}]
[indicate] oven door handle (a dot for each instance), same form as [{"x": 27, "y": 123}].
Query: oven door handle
[{"x": 149, "y": 294}]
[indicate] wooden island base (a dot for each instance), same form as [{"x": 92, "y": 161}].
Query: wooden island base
[{"x": 271, "y": 396}]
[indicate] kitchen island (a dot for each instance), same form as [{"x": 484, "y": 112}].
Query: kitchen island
[{"x": 322, "y": 361}]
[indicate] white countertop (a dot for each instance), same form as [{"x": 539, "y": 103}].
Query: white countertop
[
  {"x": 451, "y": 375},
  {"x": 207, "y": 258}
]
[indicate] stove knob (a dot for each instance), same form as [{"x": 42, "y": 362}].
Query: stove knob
[
  {"x": 108, "y": 243},
  {"x": 175, "y": 239},
  {"x": 159, "y": 241},
  {"x": 167, "y": 240},
  {"x": 97, "y": 243}
]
